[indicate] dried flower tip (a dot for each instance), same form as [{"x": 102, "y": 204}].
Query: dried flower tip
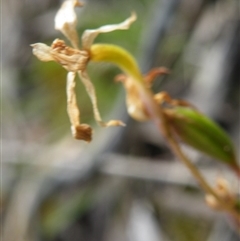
[
  {"x": 82, "y": 132},
  {"x": 66, "y": 21},
  {"x": 90, "y": 34},
  {"x": 153, "y": 73},
  {"x": 42, "y": 52}
]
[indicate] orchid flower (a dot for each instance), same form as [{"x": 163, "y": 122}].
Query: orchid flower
[
  {"x": 140, "y": 102},
  {"x": 75, "y": 60},
  {"x": 176, "y": 118}
]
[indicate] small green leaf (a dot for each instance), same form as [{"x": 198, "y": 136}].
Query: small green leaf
[{"x": 198, "y": 131}]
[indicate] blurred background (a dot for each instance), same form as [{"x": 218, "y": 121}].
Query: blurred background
[{"x": 125, "y": 185}]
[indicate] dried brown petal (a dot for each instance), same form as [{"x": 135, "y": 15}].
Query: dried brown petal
[
  {"x": 79, "y": 131},
  {"x": 71, "y": 59},
  {"x": 42, "y": 52},
  {"x": 135, "y": 106},
  {"x": 153, "y": 73},
  {"x": 72, "y": 108},
  {"x": 90, "y": 34},
  {"x": 66, "y": 21},
  {"x": 92, "y": 94}
]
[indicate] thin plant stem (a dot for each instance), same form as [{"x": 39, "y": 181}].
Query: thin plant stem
[{"x": 165, "y": 129}]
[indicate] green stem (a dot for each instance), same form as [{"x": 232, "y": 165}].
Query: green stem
[{"x": 118, "y": 56}]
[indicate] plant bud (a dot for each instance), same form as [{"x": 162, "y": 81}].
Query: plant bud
[{"x": 198, "y": 131}]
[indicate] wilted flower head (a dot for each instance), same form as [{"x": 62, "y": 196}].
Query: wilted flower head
[
  {"x": 75, "y": 60},
  {"x": 71, "y": 59}
]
